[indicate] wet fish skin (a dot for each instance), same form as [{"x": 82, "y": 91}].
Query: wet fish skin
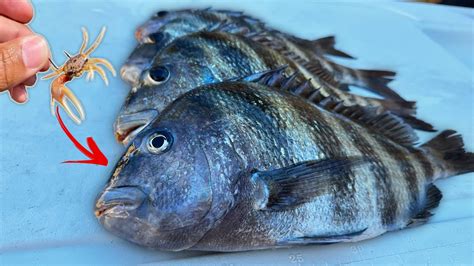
[
  {"x": 166, "y": 26},
  {"x": 160, "y": 30},
  {"x": 233, "y": 144},
  {"x": 208, "y": 57},
  {"x": 178, "y": 23}
]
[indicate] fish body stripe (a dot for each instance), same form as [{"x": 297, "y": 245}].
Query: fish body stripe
[
  {"x": 378, "y": 171},
  {"x": 410, "y": 175}
]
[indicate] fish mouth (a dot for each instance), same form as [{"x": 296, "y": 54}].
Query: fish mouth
[
  {"x": 141, "y": 36},
  {"x": 128, "y": 126},
  {"x": 117, "y": 202},
  {"x": 138, "y": 34},
  {"x": 130, "y": 73}
]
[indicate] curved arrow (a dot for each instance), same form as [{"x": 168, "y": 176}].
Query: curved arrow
[{"x": 95, "y": 154}]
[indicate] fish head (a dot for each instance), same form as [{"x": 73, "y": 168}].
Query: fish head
[
  {"x": 160, "y": 192},
  {"x": 139, "y": 60},
  {"x": 172, "y": 73},
  {"x": 166, "y": 25}
]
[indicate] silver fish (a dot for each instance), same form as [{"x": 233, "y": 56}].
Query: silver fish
[{"x": 239, "y": 166}]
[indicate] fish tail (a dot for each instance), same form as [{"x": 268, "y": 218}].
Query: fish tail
[
  {"x": 326, "y": 45},
  {"x": 448, "y": 155}
]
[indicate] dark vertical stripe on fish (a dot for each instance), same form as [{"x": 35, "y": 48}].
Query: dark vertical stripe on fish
[
  {"x": 345, "y": 207},
  {"x": 385, "y": 196},
  {"x": 188, "y": 47},
  {"x": 426, "y": 164},
  {"x": 390, "y": 210},
  {"x": 408, "y": 171}
]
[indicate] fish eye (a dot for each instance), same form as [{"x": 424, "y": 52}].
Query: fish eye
[
  {"x": 159, "y": 142},
  {"x": 161, "y": 14},
  {"x": 156, "y": 37},
  {"x": 158, "y": 74}
]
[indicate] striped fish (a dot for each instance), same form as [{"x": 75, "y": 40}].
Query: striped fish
[
  {"x": 238, "y": 166},
  {"x": 166, "y": 26},
  {"x": 208, "y": 57}
]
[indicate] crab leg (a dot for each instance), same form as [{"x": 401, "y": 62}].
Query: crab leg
[
  {"x": 90, "y": 73},
  {"x": 104, "y": 62},
  {"x": 96, "y": 43},
  {"x": 75, "y": 102},
  {"x": 101, "y": 73},
  {"x": 85, "y": 40},
  {"x": 63, "y": 95}
]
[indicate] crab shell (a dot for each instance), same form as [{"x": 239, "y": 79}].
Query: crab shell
[{"x": 75, "y": 65}]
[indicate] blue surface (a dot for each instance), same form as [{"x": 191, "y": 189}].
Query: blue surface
[{"x": 46, "y": 207}]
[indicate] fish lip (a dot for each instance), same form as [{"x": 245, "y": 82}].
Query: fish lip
[
  {"x": 142, "y": 36},
  {"x": 127, "y": 126},
  {"x": 139, "y": 34},
  {"x": 130, "y": 73},
  {"x": 118, "y": 201}
]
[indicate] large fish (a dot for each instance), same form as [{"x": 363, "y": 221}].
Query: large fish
[
  {"x": 166, "y": 26},
  {"x": 209, "y": 57},
  {"x": 240, "y": 166}
]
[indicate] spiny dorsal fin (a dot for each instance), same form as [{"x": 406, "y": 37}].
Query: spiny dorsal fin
[
  {"x": 385, "y": 123},
  {"x": 314, "y": 66},
  {"x": 327, "y": 45}
]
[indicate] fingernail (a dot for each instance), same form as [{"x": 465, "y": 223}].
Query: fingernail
[{"x": 34, "y": 51}]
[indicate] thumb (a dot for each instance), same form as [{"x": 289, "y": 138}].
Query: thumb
[{"x": 21, "y": 58}]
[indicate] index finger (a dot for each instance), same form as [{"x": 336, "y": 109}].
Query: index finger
[{"x": 19, "y": 10}]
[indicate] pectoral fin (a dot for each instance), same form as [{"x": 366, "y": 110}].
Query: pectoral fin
[
  {"x": 326, "y": 239},
  {"x": 299, "y": 183}
]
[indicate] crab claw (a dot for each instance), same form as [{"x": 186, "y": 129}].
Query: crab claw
[{"x": 64, "y": 96}]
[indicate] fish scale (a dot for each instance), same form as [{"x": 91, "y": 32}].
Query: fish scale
[
  {"x": 208, "y": 57},
  {"x": 335, "y": 181}
]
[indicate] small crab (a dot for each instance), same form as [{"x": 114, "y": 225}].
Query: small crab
[{"x": 74, "y": 67}]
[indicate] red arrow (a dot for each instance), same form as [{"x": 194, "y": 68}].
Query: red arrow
[{"x": 95, "y": 154}]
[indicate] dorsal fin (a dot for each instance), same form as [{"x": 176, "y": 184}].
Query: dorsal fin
[
  {"x": 313, "y": 66},
  {"x": 385, "y": 123},
  {"x": 333, "y": 74}
]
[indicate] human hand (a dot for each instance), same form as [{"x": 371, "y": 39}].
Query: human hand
[{"x": 22, "y": 53}]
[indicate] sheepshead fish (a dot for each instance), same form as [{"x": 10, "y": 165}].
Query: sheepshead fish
[
  {"x": 209, "y": 57},
  {"x": 166, "y": 26},
  {"x": 239, "y": 166}
]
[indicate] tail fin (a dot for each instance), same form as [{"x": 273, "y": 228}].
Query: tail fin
[
  {"x": 326, "y": 46},
  {"x": 448, "y": 147}
]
